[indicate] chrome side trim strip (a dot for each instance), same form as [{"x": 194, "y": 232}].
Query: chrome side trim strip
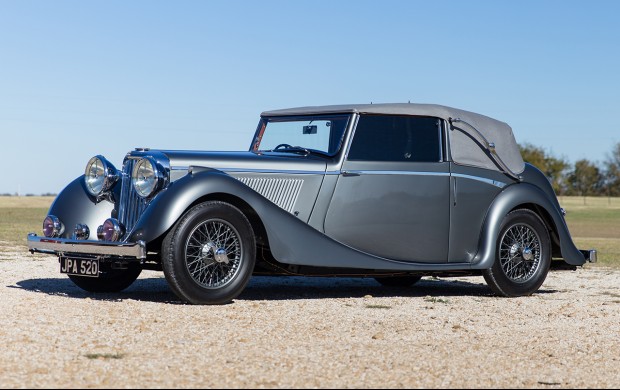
[
  {"x": 492, "y": 182},
  {"x": 59, "y": 246},
  {"x": 495, "y": 183},
  {"x": 411, "y": 173},
  {"x": 282, "y": 171}
]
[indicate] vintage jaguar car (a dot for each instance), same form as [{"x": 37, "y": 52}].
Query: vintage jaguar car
[{"x": 390, "y": 191}]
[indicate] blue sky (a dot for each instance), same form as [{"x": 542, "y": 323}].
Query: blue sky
[{"x": 81, "y": 78}]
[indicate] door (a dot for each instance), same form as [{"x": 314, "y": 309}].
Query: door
[{"x": 392, "y": 198}]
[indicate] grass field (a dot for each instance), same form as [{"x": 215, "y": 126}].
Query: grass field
[
  {"x": 20, "y": 216},
  {"x": 593, "y": 222},
  {"x": 595, "y": 225}
]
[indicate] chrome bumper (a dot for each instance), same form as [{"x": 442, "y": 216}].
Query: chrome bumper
[
  {"x": 62, "y": 246},
  {"x": 590, "y": 255}
]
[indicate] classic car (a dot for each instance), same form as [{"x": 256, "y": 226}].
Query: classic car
[{"x": 389, "y": 191}]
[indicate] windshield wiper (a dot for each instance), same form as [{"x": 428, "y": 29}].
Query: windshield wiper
[
  {"x": 291, "y": 149},
  {"x": 299, "y": 150}
]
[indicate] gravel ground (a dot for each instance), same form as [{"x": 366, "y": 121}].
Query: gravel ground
[{"x": 307, "y": 333}]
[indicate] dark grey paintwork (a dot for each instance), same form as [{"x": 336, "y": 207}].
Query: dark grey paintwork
[
  {"x": 384, "y": 208},
  {"x": 73, "y": 205},
  {"x": 335, "y": 213}
]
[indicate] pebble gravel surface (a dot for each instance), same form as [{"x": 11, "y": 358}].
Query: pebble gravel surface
[{"x": 307, "y": 333}]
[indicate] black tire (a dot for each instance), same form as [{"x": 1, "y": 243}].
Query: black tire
[
  {"x": 209, "y": 255},
  {"x": 111, "y": 281},
  {"x": 398, "y": 281},
  {"x": 523, "y": 255}
]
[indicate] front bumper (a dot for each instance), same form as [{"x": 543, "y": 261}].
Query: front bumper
[{"x": 62, "y": 247}]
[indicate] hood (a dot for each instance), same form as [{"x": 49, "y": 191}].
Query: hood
[{"x": 237, "y": 161}]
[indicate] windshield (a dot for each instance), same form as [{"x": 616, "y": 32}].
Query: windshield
[{"x": 303, "y": 135}]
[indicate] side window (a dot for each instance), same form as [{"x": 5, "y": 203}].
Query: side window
[{"x": 397, "y": 138}]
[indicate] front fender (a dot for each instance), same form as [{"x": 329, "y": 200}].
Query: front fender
[
  {"x": 166, "y": 209},
  {"x": 512, "y": 197},
  {"x": 75, "y": 206}
]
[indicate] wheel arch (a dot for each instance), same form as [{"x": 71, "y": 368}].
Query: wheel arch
[
  {"x": 170, "y": 206},
  {"x": 528, "y": 196},
  {"x": 556, "y": 250},
  {"x": 255, "y": 221}
]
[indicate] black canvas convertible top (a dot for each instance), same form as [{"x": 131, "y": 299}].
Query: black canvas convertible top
[{"x": 464, "y": 141}]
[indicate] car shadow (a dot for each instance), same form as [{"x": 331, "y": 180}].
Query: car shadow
[
  {"x": 144, "y": 289},
  {"x": 264, "y": 288}
]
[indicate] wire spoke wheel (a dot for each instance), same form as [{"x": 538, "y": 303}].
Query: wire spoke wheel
[
  {"x": 523, "y": 255},
  {"x": 208, "y": 257},
  {"x": 520, "y": 253},
  {"x": 213, "y": 253}
]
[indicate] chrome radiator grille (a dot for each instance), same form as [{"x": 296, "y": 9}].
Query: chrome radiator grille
[{"x": 131, "y": 206}]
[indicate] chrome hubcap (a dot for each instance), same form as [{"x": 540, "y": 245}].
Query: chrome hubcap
[
  {"x": 221, "y": 256},
  {"x": 520, "y": 253},
  {"x": 528, "y": 254},
  {"x": 213, "y": 253}
]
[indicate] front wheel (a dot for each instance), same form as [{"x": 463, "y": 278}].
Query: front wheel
[
  {"x": 209, "y": 255},
  {"x": 523, "y": 255}
]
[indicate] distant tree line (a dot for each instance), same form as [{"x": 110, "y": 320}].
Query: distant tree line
[
  {"x": 583, "y": 178},
  {"x": 29, "y": 195}
]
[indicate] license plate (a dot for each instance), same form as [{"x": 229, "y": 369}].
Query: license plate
[{"x": 81, "y": 267}]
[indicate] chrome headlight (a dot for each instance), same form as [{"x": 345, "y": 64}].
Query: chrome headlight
[
  {"x": 147, "y": 178},
  {"x": 100, "y": 176}
]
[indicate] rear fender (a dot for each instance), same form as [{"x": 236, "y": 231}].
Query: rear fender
[{"x": 511, "y": 198}]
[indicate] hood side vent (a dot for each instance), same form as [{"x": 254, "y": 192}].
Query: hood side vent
[{"x": 282, "y": 192}]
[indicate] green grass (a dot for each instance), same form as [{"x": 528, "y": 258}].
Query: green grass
[
  {"x": 104, "y": 356},
  {"x": 436, "y": 300},
  {"x": 20, "y": 216},
  {"x": 378, "y": 307},
  {"x": 594, "y": 223}
]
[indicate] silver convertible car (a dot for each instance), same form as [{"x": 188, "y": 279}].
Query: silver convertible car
[{"x": 389, "y": 191}]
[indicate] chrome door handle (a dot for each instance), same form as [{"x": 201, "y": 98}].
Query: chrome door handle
[{"x": 349, "y": 173}]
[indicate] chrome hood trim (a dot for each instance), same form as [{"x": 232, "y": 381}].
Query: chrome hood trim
[{"x": 244, "y": 161}]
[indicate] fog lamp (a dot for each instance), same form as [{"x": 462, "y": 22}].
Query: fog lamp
[
  {"x": 52, "y": 227},
  {"x": 111, "y": 230},
  {"x": 81, "y": 232}
]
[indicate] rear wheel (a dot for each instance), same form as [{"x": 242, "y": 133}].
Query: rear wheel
[
  {"x": 208, "y": 257},
  {"x": 398, "y": 281},
  {"x": 114, "y": 280},
  {"x": 523, "y": 255}
]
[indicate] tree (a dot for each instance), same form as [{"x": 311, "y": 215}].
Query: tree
[
  {"x": 554, "y": 168},
  {"x": 612, "y": 172},
  {"x": 585, "y": 179}
]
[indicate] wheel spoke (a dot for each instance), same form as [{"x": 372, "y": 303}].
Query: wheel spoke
[
  {"x": 205, "y": 240},
  {"x": 517, "y": 240}
]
